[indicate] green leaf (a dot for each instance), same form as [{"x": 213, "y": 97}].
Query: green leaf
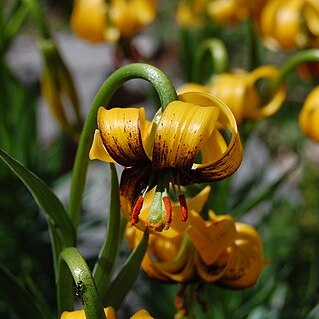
[
  {"x": 44, "y": 197},
  {"x": 123, "y": 282},
  {"x": 20, "y": 300}
]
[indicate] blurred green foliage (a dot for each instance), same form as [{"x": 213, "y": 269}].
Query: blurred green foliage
[{"x": 289, "y": 223}]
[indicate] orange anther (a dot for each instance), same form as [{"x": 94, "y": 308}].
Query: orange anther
[
  {"x": 183, "y": 206},
  {"x": 136, "y": 210},
  {"x": 168, "y": 209}
]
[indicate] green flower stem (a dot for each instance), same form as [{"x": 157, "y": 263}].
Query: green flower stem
[
  {"x": 216, "y": 51},
  {"x": 166, "y": 93},
  {"x": 39, "y": 17},
  {"x": 118, "y": 288},
  {"x": 311, "y": 55},
  {"x": 109, "y": 252},
  {"x": 252, "y": 54},
  {"x": 72, "y": 261}
]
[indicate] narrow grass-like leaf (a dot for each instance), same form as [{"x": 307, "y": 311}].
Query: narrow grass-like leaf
[
  {"x": 37, "y": 295},
  {"x": 20, "y": 300},
  {"x": 123, "y": 282},
  {"x": 44, "y": 197}
]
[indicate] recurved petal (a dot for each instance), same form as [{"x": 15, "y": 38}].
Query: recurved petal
[
  {"x": 311, "y": 14},
  {"x": 152, "y": 271},
  {"x": 229, "y": 160},
  {"x": 247, "y": 259},
  {"x": 121, "y": 130},
  {"x": 257, "y": 111},
  {"x": 245, "y": 267},
  {"x": 215, "y": 271},
  {"x": 192, "y": 87},
  {"x": 309, "y": 115},
  {"x": 222, "y": 167},
  {"x": 182, "y": 130},
  {"x": 212, "y": 241},
  {"x": 186, "y": 274}
]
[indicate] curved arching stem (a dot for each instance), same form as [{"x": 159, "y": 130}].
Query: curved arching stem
[
  {"x": 311, "y": 55},
  {"x": 71, "y": 263},
  {"x": 214, "y": 50}
]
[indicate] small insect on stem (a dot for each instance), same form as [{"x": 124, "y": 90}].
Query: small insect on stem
[{"x": 78, "y": 290}]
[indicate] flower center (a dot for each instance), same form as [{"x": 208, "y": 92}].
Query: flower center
[{"x": 160, "y": 213}]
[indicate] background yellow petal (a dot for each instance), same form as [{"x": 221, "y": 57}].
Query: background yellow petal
[
  {"x": 88, "y": 19},
  {"x": 309, "y": 115},
  {"x": 80, "y": 314},
  {"x": 195, "y": 205},
  {"x": 215, "y": 271},
  {"x": 142, "y": 314},
  {"x": 216, "y": 238}
]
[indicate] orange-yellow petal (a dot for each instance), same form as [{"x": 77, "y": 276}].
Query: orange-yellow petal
[
  {"x": 182, "y": 130},
  {"x": 98, "y": 150},
  {"x": 88, "y": 19},
  {"x": 80, "y": 314},
  {"x": 121, "y": 130},
  {"x": 214, "y": 240},
  {"x": 131, "y": 16},
  {"x": 142, "y": 314},
  {"x": 230, "y": 160},
  {"x": 309, "y": 115}
]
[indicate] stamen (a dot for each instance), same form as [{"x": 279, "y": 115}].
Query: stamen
[
  {"x": 183, "y": 206},
  {"x": 136, "y": 210},
  {"x": 168, "y": 211}
]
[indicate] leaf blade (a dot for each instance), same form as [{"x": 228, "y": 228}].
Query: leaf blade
[{"x": 44, "y": 197}]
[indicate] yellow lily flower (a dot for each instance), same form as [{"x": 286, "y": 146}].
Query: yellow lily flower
[
  {"x": 109, "y": 312},
  {"x": 163, "y": 156},
  {"x": 238, "y": 90},
  {"x": 290, "y": 24},
  {"x": 191, "y": 13},
  {"x": 309, "y": 115},
  {"x": 216, "y": 250},
  {"x": 58, "y": 89},
  {"x": 98, "y": 20},
  {"x": 231, "y": 11}
]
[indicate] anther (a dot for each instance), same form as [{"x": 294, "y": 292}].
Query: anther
[
  {"x": 183, "y": 206},
  {"x": 168, "y": 212},
  {"x": 136, "y": 210}
]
